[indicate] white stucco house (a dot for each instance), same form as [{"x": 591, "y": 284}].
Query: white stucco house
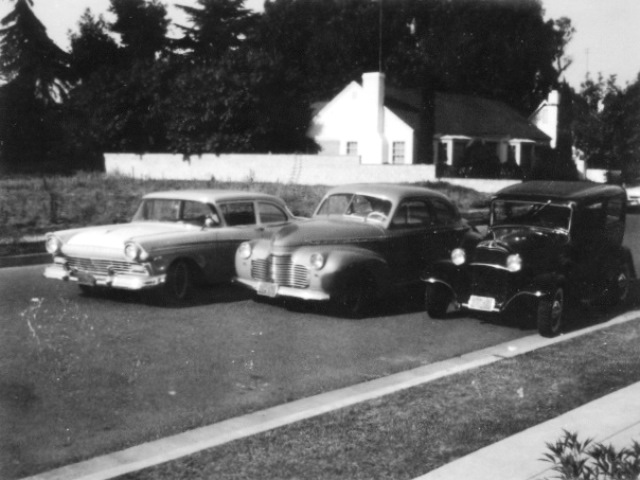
[{"x": 386, "y": 125}]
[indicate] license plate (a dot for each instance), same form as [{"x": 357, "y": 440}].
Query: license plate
[
  {"x": 486, "y": 304},
  {"x": 85, "y": 278},
  {"x": 267, "y": 289}
]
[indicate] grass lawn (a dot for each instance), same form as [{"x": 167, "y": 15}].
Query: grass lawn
[
  {"x": 34, "y": 205},
  {"x": 404, "y": 435}
]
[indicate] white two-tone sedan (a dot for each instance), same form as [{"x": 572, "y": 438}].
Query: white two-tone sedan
[{"x": 174, "y": 240}]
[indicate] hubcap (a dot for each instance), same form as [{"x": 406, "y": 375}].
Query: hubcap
[
  {"x": 556, "y": 309},
  {"x": 623, "y": 286}
]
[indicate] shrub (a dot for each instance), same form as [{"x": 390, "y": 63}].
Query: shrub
[{"x": 576, "y": 460}]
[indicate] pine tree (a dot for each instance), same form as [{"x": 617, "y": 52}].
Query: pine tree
[{"x": 30, "y": 58}]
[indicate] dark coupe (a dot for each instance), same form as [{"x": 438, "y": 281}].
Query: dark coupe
[
  {"x": 547, "y": 242},
  {"x": 362, "y": 241}
]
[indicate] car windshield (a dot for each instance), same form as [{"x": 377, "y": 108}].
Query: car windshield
[
  {"x": 172, "y": 210},
  {"x": 538, "y": 214},
  {"x": 355, "y": 205}
]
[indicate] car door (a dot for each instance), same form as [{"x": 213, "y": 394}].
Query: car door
[
  {"x": 240, "y": 224},
  {"x": 448, "y": 230},
  {"x": 245, "y": 220},
  {"x": 409, "y": 232}
]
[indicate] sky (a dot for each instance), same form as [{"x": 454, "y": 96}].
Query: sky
[{"x": 607, "y": 38}]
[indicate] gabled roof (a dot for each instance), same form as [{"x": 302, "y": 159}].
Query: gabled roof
[
  {"x": 458, "y": 114},
  {"x": 479, "y": 117}
]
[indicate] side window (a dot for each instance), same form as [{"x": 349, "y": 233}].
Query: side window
[
  {"x": 412, "y": 213},
  {"x": 196, "y": 212},
  {"x": 238, "y": 213},
  {"x": 445, "y": 213},
  {"x": 270, "y": 213}
]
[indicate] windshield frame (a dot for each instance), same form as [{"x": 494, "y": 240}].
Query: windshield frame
[
  {"x": 381, "y": 205},
  {"x": 542, "y": 204}
]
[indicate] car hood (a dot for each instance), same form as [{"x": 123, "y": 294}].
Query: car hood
[
  {"x": 530, "y": 243},
  {"x": 115, "y": 236},
  {"x": 327, "y": 231}
]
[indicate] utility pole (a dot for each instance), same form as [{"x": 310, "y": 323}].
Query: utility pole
[{"x": 380, "y": 37}]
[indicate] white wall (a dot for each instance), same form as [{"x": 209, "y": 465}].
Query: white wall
[{"x": 303, "y": 169}]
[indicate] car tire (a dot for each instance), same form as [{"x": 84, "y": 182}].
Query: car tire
[
  {"x": 618, "y": 286},
  {"x": 549, "y": 314},
  {"x": 178, "y": 285},
  {"x": 436, "y": 300},
  {"x": 355, "y": 295}
]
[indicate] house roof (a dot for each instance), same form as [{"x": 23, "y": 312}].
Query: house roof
[
  {"x": 457, "y": 114},
  {"x": 480, "y": 117}
]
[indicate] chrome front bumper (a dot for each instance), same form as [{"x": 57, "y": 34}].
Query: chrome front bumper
[
  {"x": 116, "y": 280},
  {"x": 273, "y": 290}
]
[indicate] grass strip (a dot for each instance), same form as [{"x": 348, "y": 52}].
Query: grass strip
[
  {"x": 35, "y": 205},
  {"x": 407, "y": 434}
]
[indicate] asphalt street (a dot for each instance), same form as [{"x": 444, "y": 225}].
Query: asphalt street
[{"x": 226, "y": 354}]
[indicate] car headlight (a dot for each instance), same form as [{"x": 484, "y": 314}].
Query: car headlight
[
  {"x": 53, "y": 244},
  {"x": 317, "y": 261},
  {"x": 244, "y": 250},
  {"x": 514, "y": 263},
  {"x": 458, "y": 256},
  {"x": 134, "y": 252}
]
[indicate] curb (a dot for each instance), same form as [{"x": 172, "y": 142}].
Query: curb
[{"x": 187, "y": 443}]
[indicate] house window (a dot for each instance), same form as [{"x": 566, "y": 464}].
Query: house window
[
  {"x": 352, "y": 148},
  {"x": 397, "y": 152}
]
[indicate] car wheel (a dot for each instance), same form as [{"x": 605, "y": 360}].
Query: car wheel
[
  {"x": 549, "y": 313},
  {"x": 436, "y": 300},
  {"x": 617, "y": 290},
  {"x": 355, "y": 295},
  {"x": 179, "y": 282}
]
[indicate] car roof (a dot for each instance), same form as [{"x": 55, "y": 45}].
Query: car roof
[
  {"x": 391, "y": 191},
  {"x": 562, "y": 191},
  {"x": 212, "y": 195}
]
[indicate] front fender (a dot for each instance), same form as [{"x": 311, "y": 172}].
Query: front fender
[
  {"x": 345, "y": 260},
  {"x": 545, "y": 284},
  {"x": 445, "y": 272}
]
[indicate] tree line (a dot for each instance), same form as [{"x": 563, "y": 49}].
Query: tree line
[{"x": 234, "y": 80}]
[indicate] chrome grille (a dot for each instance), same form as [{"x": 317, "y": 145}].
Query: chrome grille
[
  {"x": 99, "y": 267},
  {"x": 280, "y": 270},
  {"x": 490, "y": 257},
  {"x": 490, "y": 282}
]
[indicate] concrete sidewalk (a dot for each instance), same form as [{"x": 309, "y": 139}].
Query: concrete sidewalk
[{"x": 613, "y": 419}]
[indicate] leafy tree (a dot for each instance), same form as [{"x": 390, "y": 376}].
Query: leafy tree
[
  {"x": 242, "y": 103},
  {"x": 142, "y": 26},
  {"x": 631, "y": 132},
  {"x": 501, "y": 50},
  {"x": 217, "y": 27},
  {"x": 123, "y": 109},
  {"x": 597, "y": 124},
  {"x": 92, "y": 48}
]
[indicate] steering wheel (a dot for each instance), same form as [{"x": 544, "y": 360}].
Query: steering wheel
[{"x": 379, "y": 216}]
